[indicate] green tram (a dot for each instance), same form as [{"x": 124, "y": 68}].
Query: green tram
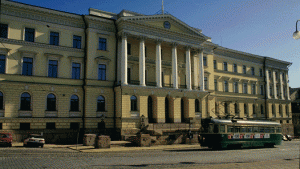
[{"x": 229, "y": 133}]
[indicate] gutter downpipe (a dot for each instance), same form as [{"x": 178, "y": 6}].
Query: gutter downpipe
[
  {"x": 265, "y": 81},
  {"x": 116, "y": 79},
  {"x": 84, "y": 74}
]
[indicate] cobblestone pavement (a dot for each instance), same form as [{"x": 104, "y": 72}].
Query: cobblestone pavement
[{"x": 58, "y": 156}]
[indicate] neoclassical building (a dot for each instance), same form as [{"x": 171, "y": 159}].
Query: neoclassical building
[{"x": 113, "y": 73}]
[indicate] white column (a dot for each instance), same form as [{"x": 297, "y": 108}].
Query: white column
[
  {"x": 158, "y": 65},
  {"x": 274, "y": 85},
  {"x": 195, "y": 62},
  {"x": 188, "y": 68},
  {"x": 287, "y": 87},
  {"x": 267, "y": 84},
  {"x": 174, "y": 67},
  {"x": 281, "y": 86},
  {"x": 201, "y": 71},
  {"x": 142, "y": 62},
  {"x": 124, "y": 61}
]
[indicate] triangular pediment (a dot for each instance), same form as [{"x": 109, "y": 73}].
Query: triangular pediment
[{"x": 166, "y": 22}]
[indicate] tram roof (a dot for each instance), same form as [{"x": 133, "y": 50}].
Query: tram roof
[{"x": 245, "y": 122}]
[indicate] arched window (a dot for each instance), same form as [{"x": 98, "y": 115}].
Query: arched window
[
  {"x": 133, "y": 101},
  {"x": 51, "y": 102},
  {"x": 25, "y": 101},
  {"x": 226, "y": 108},
  {"x": 280, "y": 110},
  {"x": 245, "y": 110},
  {"x": 150, "y": 110},
  {"x": 100, "y": 103},
  {"x": 273, "y": 111},
  {"x": 74, "y": 103},
  {"x": 287, "y": 110},
  {"x": 167, "y": 113},
  {"x": 236, "y": 111},
  {"x": 197, "y": 105},
  {"x": 1, "y": 101}
]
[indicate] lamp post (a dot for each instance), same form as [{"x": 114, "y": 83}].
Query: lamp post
[{"x": 296, "y": 34}]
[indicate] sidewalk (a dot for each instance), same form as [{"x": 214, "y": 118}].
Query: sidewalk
[
  {"x": 91, "y": 149},
  {"x": 116, "y": 147}
]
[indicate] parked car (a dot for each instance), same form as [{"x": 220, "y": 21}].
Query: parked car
[
  {"x": 34, "y": 140},
  {"x": 286, "y": 137},
  {"x": 6, "y": 139}
]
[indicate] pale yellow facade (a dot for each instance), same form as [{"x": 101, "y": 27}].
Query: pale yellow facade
[{"x": 158, "y": 70}]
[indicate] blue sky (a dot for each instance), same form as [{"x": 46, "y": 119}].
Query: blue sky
[{"x": 261, "y": 27}]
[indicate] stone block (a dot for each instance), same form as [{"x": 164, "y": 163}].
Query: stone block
[
  {"x": 145, "y": 140},
  {"x": 102, "y": 142},
  {"x": 89, "y": 139}
]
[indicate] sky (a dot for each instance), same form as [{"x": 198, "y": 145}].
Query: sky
[{"x": 260, "y": 27}]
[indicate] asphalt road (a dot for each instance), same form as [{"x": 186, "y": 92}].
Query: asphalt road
[{"x": 283, "y": 156}]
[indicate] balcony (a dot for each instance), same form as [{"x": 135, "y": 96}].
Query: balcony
[
  {"x": 25, "y": 113},
  {"x": 150, "y": 83},
  {"x": 51, "y": 114}
]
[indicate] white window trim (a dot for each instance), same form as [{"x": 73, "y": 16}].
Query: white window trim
[{"x": 23, "y": 33}]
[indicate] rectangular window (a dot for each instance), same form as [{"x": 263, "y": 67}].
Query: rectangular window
[
  {"x": 271, "y": 90},
  {"x": 236, "y": 87},
  {"x": 128, "y": 75},
  {"x": 50, "y": 125},
  {"x": 244, "y": 69},
  {"x": 252, "y": 71},
  {"x": 129, "y": 49},
  {"x": 24, "y": 126},
  {"x": 204, "y": 61},
  {"x": 77, "y": 42},
  {"x": 54, "y": 38},
  {"x": 29, "y": 34},
  {"x": 205, "y": 83},
  {"x": 27, "y": 66},
  {"x": 2, "y": 64},
  {"x": 225, "y": 66},
  {"x": 235, "y": 68},
  {"x": 52, "y": 69},
  {"x": 216, "y": 84},
  {"x": 261, "y": 89},
  {"x": 3, "y": 30},
  {"x": 261, "y": 73},
  {"x": 102, "y": 44},
  {"x": 245, "y": 88},
  {"x": 215, "y": 64},
  {"x": 225, "y": 86},
  {"x": 76, "y": 70},
  {"x": 101, "y": 72},
  {"x": 253, "y": 89},
  {"x": 74, "y": 126}
]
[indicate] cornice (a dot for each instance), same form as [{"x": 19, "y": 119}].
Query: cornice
[
  {"x": 41, "y": 14},
  {"x": 40, "y": 45}
]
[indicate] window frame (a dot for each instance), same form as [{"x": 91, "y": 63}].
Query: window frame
[
  {"x": 23, "y": 66},
  {"x": 27, "y": 33},
  {"x": 24, "y": 106},
  {"x": 102, "y": 44},
  {"x": 105, "y": 72},
  {"x": 244, "y": 69},
  {"x": 76, "y": 41},
  {"x": 226, "y": 86},
  {"x": 53, "y": 38},
  {"x": 245, "y": 88},
  {"x": 54, "y": 100},
  {"x": 215, "y": 64},
  {"x": 235, "y": 68},
  {"x": 4, "y": 63},
  {"x": 2, "y": 106},
  {"x": 102, "y": 102},
  {"x": 5, "y": 25},
  {"x": 225, "y": 66},
  {"x": 204, "y": 61},
  {"x": 49, "y": 60},
  {"x": 72, "y": 73},
  {"x": 133, "y": 103},
  {"x": 77, "y": 107},
  {"x": 252, "y": 71}
]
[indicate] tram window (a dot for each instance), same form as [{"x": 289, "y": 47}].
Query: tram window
[
  {"x": 243, "y": 129},
  {"x": 261, "y": 129},
  {"x": 237, "y": 129},
  {"x": 272, "y": 130},
  {"x": 222, "y": 129},
  {"x": 216, "y": 129},
  {"x": 249, "y": 129},
  {"x": 255, "y": 129},
  {"x": 278, "y": 130},
  {"x": 267, "y": 130},
  {"x": 229, "y": 129}
]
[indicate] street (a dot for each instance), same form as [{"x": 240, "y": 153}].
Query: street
[{"x": 283, "y": 156}]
